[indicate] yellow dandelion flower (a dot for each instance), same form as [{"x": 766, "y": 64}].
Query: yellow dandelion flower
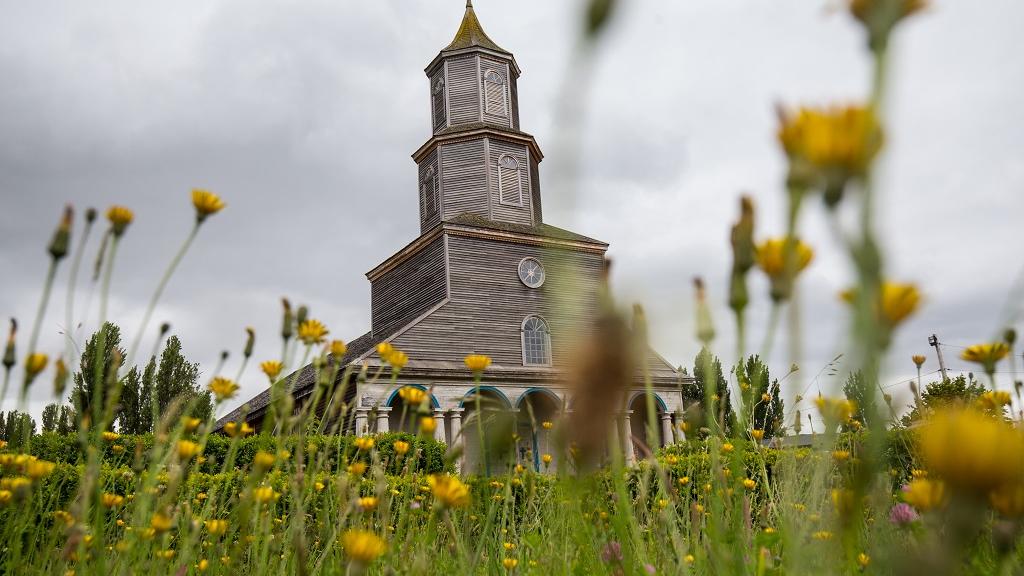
[
  {"x": 367, "y": 503},
  {"x": 338, "y": 348},
  {"x": 727, "y": 447},
  {"x": 1008, "y": 500},
  {"x": 363, "y": 546},
  {"x": 427, "y": 425},
  {"x": 509, "y": 563},
  {"x": 412, "y": 395},
  {"x": 841, "y": 455},
  {"x": 689, "y": 559},
  {"x": 357, "y": 468},
  {"x": 272, "y": 368},
  {"x": 683, "y": 480},
  {"x": 546, "y": 459},
  {"x": 896, "y": 302},
  {"x": 206, "y": 203},
  {"x": 397, "y": 359},
  {"x": 547, "y": 425},
  {"x": 971, "y": 450},
  {"x": 449, "y": 490},
  {"x": 111, "y": 500},
  {"x": 477, "y": 362},
  {"x": 187, "y": 449},
  {"x": 822, "y": 535},
  {"x": 384, "y": 349},
  {"x": 236, "y": 429},
  {"x": 223, "y": 388},
  {"x": 831, "y": 145},
  {"x": 925, "y": 495},
  {"x": 203, "y": 565},
  {"x": 749, "y": 483},
  {"x": 35, "y": 363},
  {"x": 835, "y": 410},
  {"x": 312, "y": 332},
  {"x": 110, "y": 436},
  {"x": 988, "y": 355},
  {"x": 190, "y": 424},
  {"x": 994, "y": 401},
  {"x": 400, "y": 447},
  {"x": 319, "y": 486},
  {"x": 364, "y": 443},
  {"x": 36, "y": 469},
  {"x": 771, "y": 256},
  {"x": 216, "y": 527},
  {"x": 863, "y": 560},
  {"x": 160, "y": 522},
  {"x": 264, "y": 494},
  {"x": 119, "y": 217},
  {"x": 757, "y": 434},
  {"x": 918, "y": 360},
  {"x": 263, "y": 460},
  {"x": 5, "y": 496}
]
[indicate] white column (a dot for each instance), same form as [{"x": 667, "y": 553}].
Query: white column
[
  {"x": 383, "y": 423},
  {"x": 666, "y": 428},
  {"x": 627, "y": 438},
  {"x": 456, "y": 438},
  {"x": 439, "y": 428},
  {"x": 680, "y": 435},
  {"x": 361, "y": 417}
]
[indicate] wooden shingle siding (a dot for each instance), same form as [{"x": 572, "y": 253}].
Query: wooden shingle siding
[
  {"x": 409, "y": 289},
  {"x": 488, "y": 302},
  {"x": 463, "y": 91},
  {"x": 535, "y": 190},
  {"x": 496, "y": 96},
  {"x": 505, "y": 211},
  {"x": 438, "y": 99},
  {"x": 464, "y": 179},
  {"x": 428, "y": 220}
]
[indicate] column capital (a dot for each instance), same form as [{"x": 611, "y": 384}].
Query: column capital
[
  {"x": 457, "y": 411},
  {"x": 384, "y": 409}
]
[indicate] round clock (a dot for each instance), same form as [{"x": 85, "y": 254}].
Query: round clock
[{"x": 531, "y": 273}]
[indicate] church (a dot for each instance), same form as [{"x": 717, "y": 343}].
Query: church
[{"x": 486, "y": 275}]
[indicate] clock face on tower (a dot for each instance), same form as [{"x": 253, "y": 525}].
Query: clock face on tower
[{"x": 531, "y": 272}]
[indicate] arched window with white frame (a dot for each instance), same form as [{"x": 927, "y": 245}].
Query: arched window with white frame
[
  {"x": 536, "y": 342},
  {"x": 510, "y": 181},
  {"x": 495, "y": 94},
  {"x": 428, "y": 193}
]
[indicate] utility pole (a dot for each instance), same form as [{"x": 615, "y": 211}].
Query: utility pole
[{"x": 933, "y": 340}]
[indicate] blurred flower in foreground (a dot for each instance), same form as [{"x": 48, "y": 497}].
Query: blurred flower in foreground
[
  {"x": 986, "y": 354},
  {"x": 1008, "y": 500},
  {"x": 477, "y": 362},
  {"x": 924, "y": 494},
  {"x": 835, "y": 410},
  {"x": 223, "y": 388},
  {"x": 412, "y": 395},
  {"x": 206, "y": 203},
  {"x": 35, "y": 363},
  {"x": 397, "y": 359},
  {"x": 272, "y": 368},
  {"x": 312, "y": 332},
  {"x": 119, "y": 217},
  {"x": 918, "y": 360},
  {"x": 971, "y": 450},
  {"x": 449, "y": 490},
  {"x": 363, "y": 546},
  {"x": 400, "y": 447},
  {"x": 236, "y": 429},
  {"x": 879, "y": 17},
  {"x": 902, "y": 514},
  {"x": 827, "y": 147},
  {"x": 338, "y": 348},
  {"x": 771, "y": 257}
]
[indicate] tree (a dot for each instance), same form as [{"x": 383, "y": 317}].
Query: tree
[
  {"x": 854, "y": 389},
  {"x": 18, "y": 429},
  {"x": 97, "y": 369},
  {"x": 768, "y": 409},
  {"x": 176, "y": 380},
  {"x": 695, "y": 398},
  {"x": 59, "y": 418},
  {"x": 962, "y": 390}
]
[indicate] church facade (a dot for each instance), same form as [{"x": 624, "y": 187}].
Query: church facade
[{"x": 486, "y": 275}]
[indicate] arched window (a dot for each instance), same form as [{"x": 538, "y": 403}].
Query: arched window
[
  {"x": 536, "y": 342},
  {"x": 428, "y": 193},
  {"x": 495, "y": 97},
  {"x": 510, "y": 181}
]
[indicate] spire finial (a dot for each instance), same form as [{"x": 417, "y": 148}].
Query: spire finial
[{"x": 469, "y": 3}]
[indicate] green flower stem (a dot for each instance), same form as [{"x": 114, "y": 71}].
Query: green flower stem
[
  {"x": 159, "y": 291},
  {"x": 108, "y": 271},
  {"x": 69, "y": 306}
]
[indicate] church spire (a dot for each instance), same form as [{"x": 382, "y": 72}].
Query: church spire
[{"x": 471, "y": 34}]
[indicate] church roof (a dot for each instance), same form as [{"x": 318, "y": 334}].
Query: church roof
[
  {"x": 471, "y": 34},
  {"x": 542, "y": 230}
]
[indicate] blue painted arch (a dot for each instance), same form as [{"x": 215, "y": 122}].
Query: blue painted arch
[
  {"x": 544, "y": 391},
  {"x": 495, "y": 391},
  {"x": 657, "y": 398},
  {"x": 394, "y": 393}
]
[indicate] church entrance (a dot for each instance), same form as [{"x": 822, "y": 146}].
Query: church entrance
[
  {"x": 645, "y": 440},
  {"x": 486, "y": 432},
  {"x": 537, "y": 412}
]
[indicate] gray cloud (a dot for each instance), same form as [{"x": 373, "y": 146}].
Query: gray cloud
[{"x": 303, "y": 116}]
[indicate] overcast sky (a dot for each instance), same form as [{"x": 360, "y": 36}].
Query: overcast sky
[{"x": 302, "y": 115}]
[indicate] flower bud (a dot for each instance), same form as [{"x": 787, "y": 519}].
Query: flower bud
[
  {"x": 164, "y": 329},
  {"x": 59, "y": 244},
  {"x": 287, "y": 320},
  {"x": 9, "y": 354},
  {"x": 250, "y": 340},
  {"x": 90, "y": 215},
  {"x": 302, "y": 314}
]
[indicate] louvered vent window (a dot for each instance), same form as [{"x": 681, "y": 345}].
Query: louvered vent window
[
  {"x": 495, "y": 99},
  {"x": 536, "y": 342},
  {"x": 510, "y": 181},
  {"x": 428, "y": 193},
  {"x": 437, "y": 102}
]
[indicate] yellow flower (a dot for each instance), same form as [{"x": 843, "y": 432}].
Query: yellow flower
[
  {"x": 187, "y": 449},
  {"x": 206, "y": 203},
  {"x": 111, "y": 500},
  {"x": 223, "y": 388},
  {"x": 749, "y": 483},
  {"x": 412, "y": 395},
  {"x": 160, "y": 522},
  {"x": 918, "y": 360},
  {"x": 216, "y": 527},
  {"x": 203, "y": 565},
  {"x": 384, "y": 349},
  {"x": 397, "y": 359},
  {"x": 994, "y": 401},
  {"x": 363, "y": 546},
  {"x": 547, "y": 425},
  {"x": 427, "y": 425},
  {"x": 312, "y": 332},
  {"x": 264, "y": 494},
  {"x": 986, "y": 354},
  {"x": 36, "y": 469},
  {"x": 689, "y": 559},
  {"x": 357, "y": 468},
  {"x": 509, "y": 545},
  {"x": 110, "y": 436},
  {"x": 863, "y": 560},
  {"x": 119, "y": 217},
  {"x": 546, "y": 459},
  {"x": 364, "y": 443},
  {"x": 971, "y": 450},
  {"x": 235, "y": 429},
  {"x": 401, "y": 447},
  {"x": 3, "y": 444},
  {"x": 727, "y": 447},
  {"x": 338, "y": 348},
  {"x": 757, "y": 434},
  {"x": 822, "y": 535},
  {"x": 367, "y": 503},
  {"x": 684, "y": 480},
  {"x": 1008, "y": 500},
  {"x": 509, "y": 563},
  {"x": 896, "y": 303},
  {"x": 841, "y": 455},
  {"x": 449, "y": 490},
  {"x": 771, "y": 256},
  {"x": 263, "y": 460},
  {"x": 835, "y": 410},
  {"x": 319, "y": 486},
  {"x": 35, "y": 363},
  {"x": 828, "y": 146},
  {"x": 5, "y": 496},
  {"x": 477, "y": 362},
  {"x": 190, "y": 424},
  {"x": 925, "y": 495},
  {"x": 272, "y": 368}
]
